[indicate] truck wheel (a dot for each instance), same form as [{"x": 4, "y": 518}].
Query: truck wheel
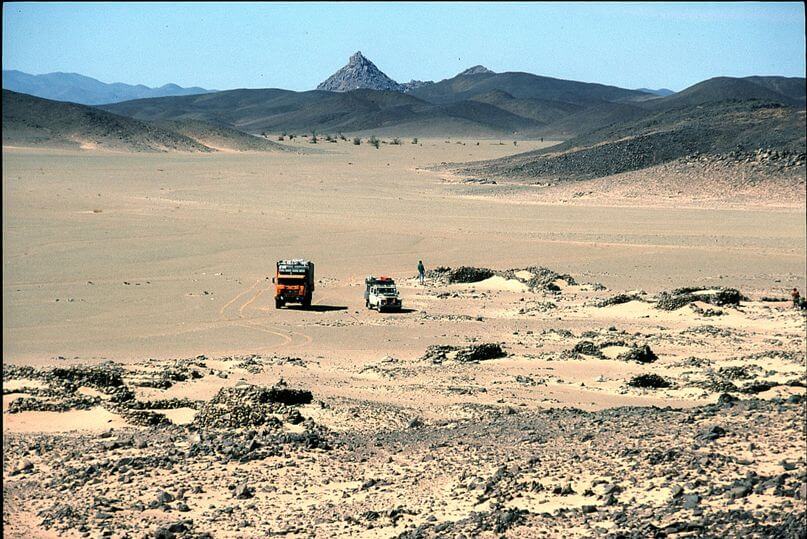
[
  {"x": 278, "y": 303},
  {"x": 307, "y": 302},
  {"x": 367, "y": 303}
]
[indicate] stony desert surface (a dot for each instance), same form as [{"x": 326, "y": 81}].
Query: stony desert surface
[{"x": 611, "y": 358}]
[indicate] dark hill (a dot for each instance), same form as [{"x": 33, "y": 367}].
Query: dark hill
[
  {"x": 221, "y": 138},
  {"x": 724, "y": 128},
  {"x": 32, "y": 121},
  {"x": 774, "y": 89},
  {"x": 523, "y": 86},
  {"x": 359, "y": 110}
]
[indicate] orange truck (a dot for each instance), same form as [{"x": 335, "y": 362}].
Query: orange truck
[{"x": 294, "y": 282}]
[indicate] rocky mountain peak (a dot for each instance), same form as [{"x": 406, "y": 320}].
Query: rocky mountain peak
[
  {"x": 359, "y": 73},
  {"x": 476, "y": 70},
  {"x": 357, "y": 59}
]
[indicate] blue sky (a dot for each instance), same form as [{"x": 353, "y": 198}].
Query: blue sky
[{"x": 297, "y": 45}]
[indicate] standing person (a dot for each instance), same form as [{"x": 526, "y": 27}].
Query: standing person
[
  {"x": 421, "y": 272},
  {"x": 796, "y": 298}
]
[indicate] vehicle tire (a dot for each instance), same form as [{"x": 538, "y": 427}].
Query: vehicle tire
[
  {"x": 278, "y": 303},
  {"x": 367, "y": 303},
  {"x": 307, "y": 301}
]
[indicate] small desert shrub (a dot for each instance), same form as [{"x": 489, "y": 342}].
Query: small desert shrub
[
  {"x": 374, "y": 141},
  {"x": 356, "y": 141},
  {"x": 329, "y": 138},
  {"x": 396, "y": 140},
  {"x": 281, "y": 137},
  {"x": 313, "y": 137},
  {"x": 415, "y": 140},
  {"x": 342, "y": 137}
]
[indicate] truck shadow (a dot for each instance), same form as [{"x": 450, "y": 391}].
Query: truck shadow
[
  {"x": 317, "y": 308},
  {"x": 401, "y": 311}
]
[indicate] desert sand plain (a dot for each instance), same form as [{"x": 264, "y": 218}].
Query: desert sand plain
[{"x": 162, "y": 263}]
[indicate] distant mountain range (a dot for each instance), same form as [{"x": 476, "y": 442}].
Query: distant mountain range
[
  {"x": 614, "y": 128},
  {"x": 476, "y": 102},
  {"x": 76, "y": 88},
  {"x": 359, "y": 97},
  {"x": 663, "y": 92}
]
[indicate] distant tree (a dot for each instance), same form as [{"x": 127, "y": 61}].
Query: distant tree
[
  {"x": 415, "y": 140},
  {"x": 515, "y": 143},
  {"x": 341, "y": 136},
  {"x": 291, "y": 136},
  {"x": 329, "y": 138},
  {"x": 263, "y": 134},
  {"x": 374, "y": 141},
  {"x": 396, "y": 140},
  {"x": 281, "y": 137},
  {"x": 313, "y": 136},
  {"x": 356, "y": 141}
]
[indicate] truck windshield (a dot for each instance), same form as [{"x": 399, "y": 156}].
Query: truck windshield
[
  {"x": 386, "y": 290},
  {"x": 290, "y": 281}
]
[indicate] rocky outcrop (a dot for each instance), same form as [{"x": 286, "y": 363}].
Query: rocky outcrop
[
  {"x": 476, "y": 70},
  {"x": 359, "y": 73}
]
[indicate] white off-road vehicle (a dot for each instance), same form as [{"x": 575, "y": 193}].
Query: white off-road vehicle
[{"x": 381, "y": 294}]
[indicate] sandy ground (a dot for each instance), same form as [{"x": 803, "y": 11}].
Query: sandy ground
[
  {"x": 131, "y": 256},
  {"x": 143, "y": 259}
]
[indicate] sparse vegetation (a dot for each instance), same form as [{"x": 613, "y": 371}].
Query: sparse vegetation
[
  {"x": 313, "y": 137},
  {"x": 329, "y": 138},
  {"x": 415, "y": 140},
  {"x": 356, "y": 141},
  {"x": 374, "y": 141},
  {"x": 396, "y": 141},
  {"x": 341, "y": 136}
]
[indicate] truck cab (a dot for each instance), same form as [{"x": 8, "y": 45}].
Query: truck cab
[
  {"x": 380, "y": 293},
  {"x": 294, "y": 282}
]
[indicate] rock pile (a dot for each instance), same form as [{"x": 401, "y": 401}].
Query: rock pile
[
  {"x": 462, "y": 274},
  {"x": 637, "y": 353},
  {"x": 438, "y": 353},
  {"x": 249, "y": 406},
  {"x": 542, "y": 278},
  {"x": 651, "y": 381},
  {"x": 619, "y": 299},
  {"x": 671, "y": 301}
]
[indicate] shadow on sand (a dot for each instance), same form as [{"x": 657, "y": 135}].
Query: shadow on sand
[{"x": 317, "y": 308}]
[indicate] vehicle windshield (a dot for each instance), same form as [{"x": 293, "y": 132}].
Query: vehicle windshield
[
  {"x": 387, "y": 291},
  {"x": 290, "y": 281}
]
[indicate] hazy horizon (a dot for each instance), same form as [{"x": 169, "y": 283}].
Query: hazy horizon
[{"x": 296, "y": 46}]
